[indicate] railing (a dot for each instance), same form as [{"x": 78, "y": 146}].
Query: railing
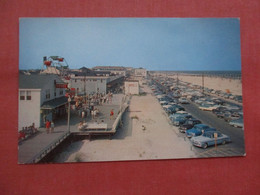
[
  {"x": 48, "y": 149},
  {"x": 123, "y": 106}
]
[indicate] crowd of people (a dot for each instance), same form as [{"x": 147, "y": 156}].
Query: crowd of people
[
  {"x": 93, "y": 99},
  {"x": 27, "y": 132}
]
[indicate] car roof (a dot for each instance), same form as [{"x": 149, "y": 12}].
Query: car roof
[
  {"x": 201, "y": 125},
  {"x": 211, "y": 132}
]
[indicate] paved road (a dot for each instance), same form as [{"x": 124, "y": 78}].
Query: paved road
[{"x": 237, "y": 147}]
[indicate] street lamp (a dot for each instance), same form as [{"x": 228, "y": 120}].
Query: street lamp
[{"x": 69, "y": 100}]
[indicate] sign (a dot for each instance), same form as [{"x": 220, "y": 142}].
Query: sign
[
  {"x": 131, "y": 85},
  {"x": 61, "y": 85},
  {"x": 215, "y": 136}
]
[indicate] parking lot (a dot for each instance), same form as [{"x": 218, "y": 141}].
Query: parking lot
[{"x": 180, "y": 95}]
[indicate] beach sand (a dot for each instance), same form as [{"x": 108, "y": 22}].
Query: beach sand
[
  {"x": 216, "y": 83},
  {"x": 158, "y": 140}
]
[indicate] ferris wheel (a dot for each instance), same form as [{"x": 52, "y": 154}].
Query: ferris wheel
[{"x": 55, "y": 64}]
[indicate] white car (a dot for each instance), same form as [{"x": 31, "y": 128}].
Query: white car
[{"x": 208, "y": 107}]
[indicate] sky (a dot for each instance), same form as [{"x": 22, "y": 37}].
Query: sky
[{"x": 153, "y": 43}]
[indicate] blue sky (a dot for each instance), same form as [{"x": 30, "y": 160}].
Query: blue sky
[{"x": 152, "y": 43}]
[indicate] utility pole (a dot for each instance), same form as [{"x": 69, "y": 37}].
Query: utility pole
[
  {"x": 85, "y": 95},
  {"x": 177, "y": 79},
  {"x": 202, "y": 83}
]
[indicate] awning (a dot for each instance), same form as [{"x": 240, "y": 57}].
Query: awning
[{"x": 52, "y": 104}]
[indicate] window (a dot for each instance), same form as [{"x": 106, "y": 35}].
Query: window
[
  {"x": 54, "y": 92},
  {"x": 22, "y": 95},
  {"x": 28, "y": 95},
  {"x": 101, "y": 80},
  {"x": 75, "y": 80},
  {"x": 61, "y": 91},
  {"x": 48, "y": 94}
]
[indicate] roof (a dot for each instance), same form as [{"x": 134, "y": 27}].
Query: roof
[
  {"x": 54, "y": 103},
  {"x": 37, "y": 81},
  {"x": 83, "y": 72},
  {"x": 109, "y": 68}
]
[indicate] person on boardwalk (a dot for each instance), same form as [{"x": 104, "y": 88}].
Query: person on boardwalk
[
  {"x": 82, "y": 114},
  {"x": 52, "y": 126},
  {"x": 112, "y": 114},
  {"x": 92, "y": 114},
  {"x": 47, "y": 125}
]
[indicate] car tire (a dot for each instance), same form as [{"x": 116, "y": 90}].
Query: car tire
[
  {"x": 205, "y": 146},
  {"x": 223, "y": 142}
]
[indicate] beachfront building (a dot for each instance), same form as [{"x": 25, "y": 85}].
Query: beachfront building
[
  {"x": 140, "y": 72},
  {"x": 100, "y": 80},
  {"x": 114, "y": 70},
  {"x": 132, "y": 87},
  {"x": 41, "y": 98},
  {"x": 88, "y": 84}
]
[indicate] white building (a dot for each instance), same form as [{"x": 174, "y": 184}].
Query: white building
[
  {"x": 140, "y": 72},
  {"x": 88, "y": 84},
  {"x": 119, "y": 72},
  {"x": 132, "y": 87},
  {"x": 41, "y": 98}
]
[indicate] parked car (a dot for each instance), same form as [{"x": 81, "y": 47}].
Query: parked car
[
  {"x": 238, "y": 98},
  {"x": 208, "y": 107},
  {"x": 237, "y": 123},
  {"x": 163, "y": 103},
  {"x": 175, "y": 108},
  {"x": 183, "y": 101},
  {"x": 196, "y": 130},
  {"x": 208, "y": 139},
  {"x": 188, "y": 124},
  {"x": 231, "y": 115},
  {"x": 180, "y": 119}
]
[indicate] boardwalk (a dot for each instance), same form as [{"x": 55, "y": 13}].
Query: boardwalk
[{"x": 30, "y": 148}]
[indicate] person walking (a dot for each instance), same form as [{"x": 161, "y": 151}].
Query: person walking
[
  {"x": 92, "y": 114},
  {"x": 112, "y": 114},
  {"x": 47, "y": 125},
  {"x": 52, "y": 126},
  {"x": 83, "y": 114}
]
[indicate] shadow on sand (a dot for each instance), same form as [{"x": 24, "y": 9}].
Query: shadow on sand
[{"x": 126, "y": 129}]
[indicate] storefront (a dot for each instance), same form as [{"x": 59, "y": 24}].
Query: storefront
[{"x": 53, "y": 110}]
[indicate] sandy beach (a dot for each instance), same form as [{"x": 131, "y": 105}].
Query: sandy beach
[
  {"x": 158, "y": 140},
  {"x": 216, "y": 83}
]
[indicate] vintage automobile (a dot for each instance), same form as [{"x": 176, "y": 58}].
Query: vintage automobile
[
  {"x": 208, "y": 107},
  {"x": 196, "y": 130},
  {"x": 180, "y": 119},
  {"x": 188, "y": 124},
  {"x": 183, "y": 101},
  {"x": 237, "y": 123},
  {"x": 208, "y": 139}
]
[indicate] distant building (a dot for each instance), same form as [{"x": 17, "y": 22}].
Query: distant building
[
  {"x": 114, "y": 70},
  {"x": 141, "y": 72},
  {"x": 100, "y": 80},
  {"x": 132, "y": 87},
  {"x": 88, "y": 84},
  {"x": 41, "y": 98},
  {"x": 109, "y": 68}
]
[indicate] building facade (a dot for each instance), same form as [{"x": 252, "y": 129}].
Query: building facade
[
  {"x": 88, "y": 84},
  {"x": 140, "y": 72},
  {"x": 132, "y": 87},
  {"x": 41, "y": 98}
]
